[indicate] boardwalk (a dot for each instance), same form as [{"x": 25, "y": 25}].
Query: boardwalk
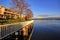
[{"x": 8, "y": 29}]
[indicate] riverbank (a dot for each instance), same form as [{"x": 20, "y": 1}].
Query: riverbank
[{"x": 22, "y": 23}]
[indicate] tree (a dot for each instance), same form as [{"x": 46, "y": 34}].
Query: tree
[
  {"x": 19, "y": 5},
  {"x": 29, "y": 14}
]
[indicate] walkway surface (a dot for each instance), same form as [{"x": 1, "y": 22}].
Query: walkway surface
[{"x": 8, "y": 29}]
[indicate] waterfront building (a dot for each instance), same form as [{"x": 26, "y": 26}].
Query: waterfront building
[
  {"x": 2, "y": 9},
  {"x": 8, "y": 13}
]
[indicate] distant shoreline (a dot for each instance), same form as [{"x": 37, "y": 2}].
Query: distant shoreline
[{"x": 46, "y": 19}]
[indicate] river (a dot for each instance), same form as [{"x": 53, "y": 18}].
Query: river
[{"x": 46, "y": 30}]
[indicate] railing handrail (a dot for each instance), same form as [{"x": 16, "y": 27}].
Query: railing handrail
[{"x": 10, "y": 28}]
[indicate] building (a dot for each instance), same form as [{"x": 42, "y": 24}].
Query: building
[
  {"x": 2, "y": 9},
  {"x": 15, "y": 15},
  {"x": 8, "y": 13}
]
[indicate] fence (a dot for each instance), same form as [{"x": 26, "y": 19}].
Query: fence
[{"x": 7, "y": 30}]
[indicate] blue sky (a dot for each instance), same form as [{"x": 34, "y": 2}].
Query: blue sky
[
  {"x": 40, "y": 7},
  {"x": 45, "y": 7}
]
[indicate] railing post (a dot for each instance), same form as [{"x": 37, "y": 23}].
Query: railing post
[{"x": 0, "y": 32}]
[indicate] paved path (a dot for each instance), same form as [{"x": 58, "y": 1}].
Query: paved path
[{"x": 8, "y": 29}]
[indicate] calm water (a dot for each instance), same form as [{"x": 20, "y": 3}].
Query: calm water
[{"x": 46, "y": 30}]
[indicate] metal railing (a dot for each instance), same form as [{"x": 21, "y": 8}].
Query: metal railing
[{"x": 7, "y": 30}]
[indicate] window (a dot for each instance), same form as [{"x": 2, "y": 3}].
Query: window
[
  {"x": 5, "y": 9},
  {"x": 4, "y": 12}
]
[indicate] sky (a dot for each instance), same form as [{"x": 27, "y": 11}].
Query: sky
[{"x": 40, "y": 7}]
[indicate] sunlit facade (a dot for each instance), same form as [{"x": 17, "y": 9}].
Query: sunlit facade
[{"x": 8, "y": 13}]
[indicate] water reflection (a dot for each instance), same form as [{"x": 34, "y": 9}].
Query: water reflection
[
  {"x": 46, "y": 30},
  {"x": 48, "y": 22}
]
